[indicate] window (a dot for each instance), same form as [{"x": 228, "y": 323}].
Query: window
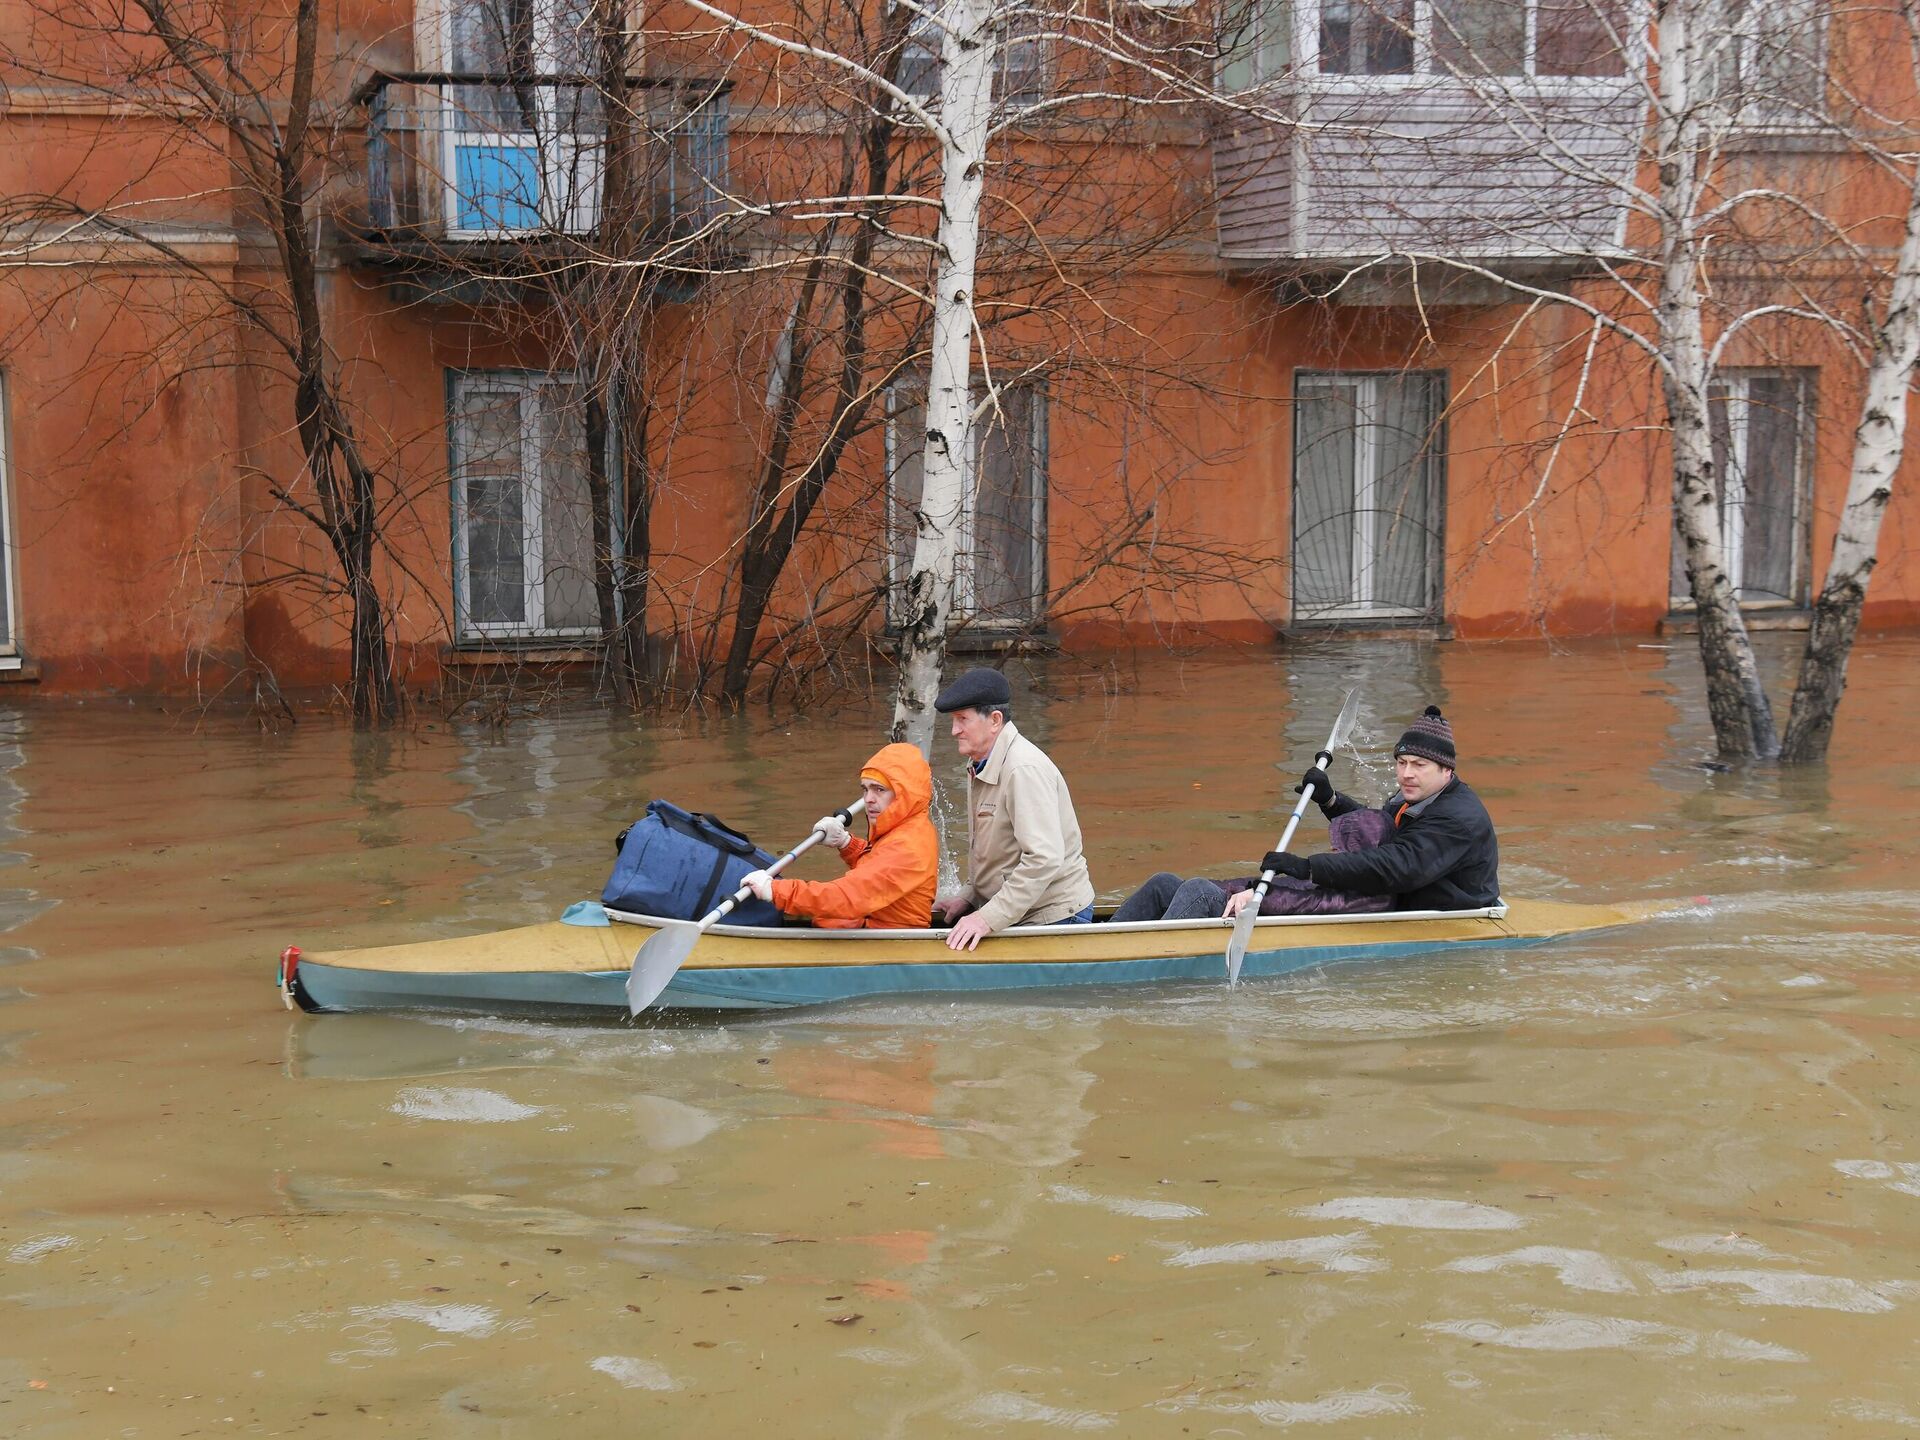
[
  {"x": 1366, "y": 37},
  {"x": 522, "y": 510},
  {"x": 1762, "y": 425},
  {"x": 520, "y": 155},
  {"x": 1255, "y": 46},
  {"x": 1368, "y": 456},
  {"x": 1003, "y": 526},
  {"x": 1772, "y": 66},
  {"x": 1020, "y": 72},
  {"x": 1538, "y": 38}
]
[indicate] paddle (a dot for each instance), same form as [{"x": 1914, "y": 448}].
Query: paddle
[
  {"x": 1250, "y": 912},
  {"x": 659, "y": 960}
]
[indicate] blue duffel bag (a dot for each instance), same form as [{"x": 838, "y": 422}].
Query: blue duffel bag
[{"x": 679, "y": 864}]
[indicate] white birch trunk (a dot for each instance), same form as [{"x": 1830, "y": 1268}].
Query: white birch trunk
[
  {"x": 967, "y": 49},
  {"x": 1736, "y": 701},
  {"x": 1878, "y": 443}
]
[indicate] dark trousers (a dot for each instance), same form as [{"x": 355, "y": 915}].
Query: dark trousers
[{"x": 1168, "y": 897}]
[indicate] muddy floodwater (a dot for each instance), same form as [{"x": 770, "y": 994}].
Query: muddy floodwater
[{"x": 1660, "y": 1181}]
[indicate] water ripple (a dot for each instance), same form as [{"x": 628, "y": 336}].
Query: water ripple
[
  {"x": 1122, "y": 1205},
  {"x": 1328, "y": 1409},
  {"x": 631, "y": 1373},
  {"x": 427, "y": 1102},
  {"x": 1731, "y": 1244},
  {"x": 32, "y": 1252},
  {"x": 1414, "y": 1214},
  {"x": 1331, "y": 1252},
  {"x": 1578, "y": 1269},
  {"x": 474, "y": 1321},
  {"x": 1901, "y": 1175},
  {"x": 1000, "y": 1407},
  {"x": 1773, "y": 1287},
  {"x": 1565, "y": 1331}
]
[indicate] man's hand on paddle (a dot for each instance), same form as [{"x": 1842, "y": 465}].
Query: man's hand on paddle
[
  {"x": 1279, "y": 862},
  {"x": 1316, "y": 783},
  {"x": 1237, "y": 902}
]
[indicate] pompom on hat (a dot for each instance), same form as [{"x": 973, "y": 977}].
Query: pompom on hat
[{"x": 1430, "y": 737}]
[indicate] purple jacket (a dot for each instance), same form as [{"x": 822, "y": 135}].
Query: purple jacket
[{"x": 1355, "y": 830}]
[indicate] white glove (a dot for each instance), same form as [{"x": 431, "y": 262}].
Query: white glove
[
  {"x": 833, "y": 831},
  {"x": 759, "y": 882}
]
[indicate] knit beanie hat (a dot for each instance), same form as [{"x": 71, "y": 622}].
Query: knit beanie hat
[{"x": 1430, "y": 737}]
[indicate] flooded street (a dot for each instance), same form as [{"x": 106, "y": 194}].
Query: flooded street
[{"x": 1663, "y": 1180}]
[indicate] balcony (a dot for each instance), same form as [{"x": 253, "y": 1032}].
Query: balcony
[
  {"x": 1497, "y": 131},
  {"x": 1367, "y": 172},
  {"x": 471, "y": 166}
]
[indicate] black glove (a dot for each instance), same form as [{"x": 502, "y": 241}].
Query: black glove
[
  {"x": 1282, "y": 863},
  {"x": 1316, "y": 783}
]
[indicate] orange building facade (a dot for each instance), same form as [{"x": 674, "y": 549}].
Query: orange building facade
[{"x": 1221, "y": 420}]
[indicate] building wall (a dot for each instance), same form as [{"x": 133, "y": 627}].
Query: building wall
[{"x": 148, "y": 431}]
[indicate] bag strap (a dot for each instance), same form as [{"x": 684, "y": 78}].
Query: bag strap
[
  {"x": 729, "y": 837},
  {"x": 712, "y": 889}
]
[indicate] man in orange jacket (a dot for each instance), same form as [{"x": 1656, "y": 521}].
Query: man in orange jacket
[{"x": 892, "y": 875}]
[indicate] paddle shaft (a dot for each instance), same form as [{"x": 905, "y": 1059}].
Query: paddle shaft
[{"x": 1250, "y": 911}]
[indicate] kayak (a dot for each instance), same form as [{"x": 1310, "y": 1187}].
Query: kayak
[{"x": 578, "y": 965}]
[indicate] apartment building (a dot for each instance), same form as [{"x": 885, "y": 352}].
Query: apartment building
[{"x": 1349, "y": 345}]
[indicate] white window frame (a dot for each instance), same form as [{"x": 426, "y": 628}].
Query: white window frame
[
  {"x": 1733, "y": 489},
  {"x": 1368, "y": 385},
  {"x": 900, "y": 567},
  {"x": 527, "y": 384},
  {"x": 568, "y": 164},
  {"x": 1302, "y": 18},
  {"x": 1774, "y": 113}
]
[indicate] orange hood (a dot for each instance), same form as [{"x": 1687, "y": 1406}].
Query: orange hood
[{"x": 904, "y": 770}]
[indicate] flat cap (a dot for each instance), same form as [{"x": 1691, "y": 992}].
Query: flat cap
[{"x": 979, "y": 689}]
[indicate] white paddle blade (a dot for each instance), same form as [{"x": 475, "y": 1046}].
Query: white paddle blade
[
  {"x": 658, "y": 961},
  {"x": 1242, "y": 935},
  {"x": 1343, "y": 726}
]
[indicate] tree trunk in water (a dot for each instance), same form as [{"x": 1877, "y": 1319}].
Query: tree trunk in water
[
  {"x": 636, "y": 558},
  {"x": 374, "y": 698},
  {"x": 600, "y": 496},
  {"x": 967, "y": 49},
  {"x": 1736, "y": 701},
  {"x": 1878, "y": 443}
]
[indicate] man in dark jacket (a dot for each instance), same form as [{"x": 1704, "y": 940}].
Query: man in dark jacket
[{"x": 1442, "y": 854}]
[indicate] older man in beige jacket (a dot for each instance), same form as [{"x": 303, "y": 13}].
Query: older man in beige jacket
[{"x": 1023, "y": 838}]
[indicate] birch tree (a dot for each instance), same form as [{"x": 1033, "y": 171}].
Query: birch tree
[
  {"x": 1879, "y": 444},
  {"x": 968, "y": 44}
]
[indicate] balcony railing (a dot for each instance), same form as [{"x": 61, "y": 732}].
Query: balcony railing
[{"x": 472, "y": 158}]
